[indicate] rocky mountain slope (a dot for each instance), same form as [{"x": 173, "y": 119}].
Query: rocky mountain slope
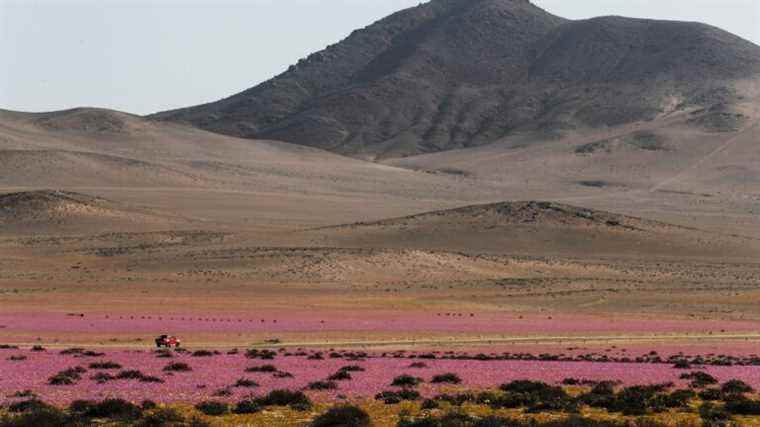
[{"x": 451, "y": 74}]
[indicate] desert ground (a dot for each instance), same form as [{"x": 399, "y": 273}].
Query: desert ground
[{"x": 115, "y": 229}]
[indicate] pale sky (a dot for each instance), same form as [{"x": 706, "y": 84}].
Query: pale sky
[{"x": 144, "y": 56}]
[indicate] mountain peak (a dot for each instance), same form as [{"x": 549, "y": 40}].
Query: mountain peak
[{"x": 451, "y": 74}]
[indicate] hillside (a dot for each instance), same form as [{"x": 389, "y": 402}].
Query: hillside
[
  {"x": 451, "y": 74},
  {"x": 192, "y": 172},
  {"x": 63, "y": 212},
  {"x": 535, "y": 228}
]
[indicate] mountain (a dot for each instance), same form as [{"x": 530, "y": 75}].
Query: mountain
[{"x": 451, "y": 74}]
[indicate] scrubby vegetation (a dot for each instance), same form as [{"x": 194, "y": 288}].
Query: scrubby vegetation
[{"x": 343, "y": 416}]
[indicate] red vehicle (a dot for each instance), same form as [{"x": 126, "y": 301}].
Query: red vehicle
[{"x": 167, "y": 341}]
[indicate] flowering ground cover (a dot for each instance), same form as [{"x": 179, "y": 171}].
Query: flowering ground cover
[
  {"x": 343, "y": 320},
  {"x": 137, "y": 375}
]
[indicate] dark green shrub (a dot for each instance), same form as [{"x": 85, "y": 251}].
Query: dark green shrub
[
  {"x": 213, "y": 408},
  {"x": 343, "y": 416},
  {"x": 151, "y": 379},
  {"x": 711, "y": 394},
  {"x": 102, "y": 377},
  {"x": 699, "y": 379},
  {"x": 711, "y": 412},
  {"x": 161, "y": 417},
  {"x": 743, "y": 406},
  {"x": 178, "y": 367},
  {"x": 449, "y": 378},
  {"x": 247, "y": 406},
  {"x": 263, "y": 368},
  {"x": 245, "y": 382},
  {"x": 393, "y": 397},
  {"x": 82, "y": 407},
  {"x": 340, "y": 376},
  {"x": 406, "y": 381},
  {"x": 61, "y": 379},
  {"x": 47, "y": 416},
  {"x": 430, "y": 404},
  {"x": 105, "y": 365},
  {"x": 736, "y": 387},
  {"x": 352, "y": 368},
  {"x": 525, "y": 386},
  {"x": 322, "y": 385},
  {"x": 28, "y": 405},
  {"x": 115, "y": 409},
  {"x": 67, "y": 377},
  {"x": 293, "y": 399}
]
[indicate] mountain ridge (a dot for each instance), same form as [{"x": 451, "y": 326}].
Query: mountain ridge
[{"x": 451, "y": 74}]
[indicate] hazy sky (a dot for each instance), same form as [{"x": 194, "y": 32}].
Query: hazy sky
[{"x": 144, "y": 56}]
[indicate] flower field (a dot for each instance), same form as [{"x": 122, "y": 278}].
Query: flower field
[
  {"x": 230, "y": 375},
  {"x": 276, "y": 322}
]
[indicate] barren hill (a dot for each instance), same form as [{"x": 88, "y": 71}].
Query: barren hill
[
  {"x": 536, "y": 228},
  {"x": 63, "y": 212},
  {"x": 460, "y": 73}
]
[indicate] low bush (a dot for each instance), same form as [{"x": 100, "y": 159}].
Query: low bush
[
  {"x": 47, "y": 416},
  {"x": 322, "y": 385},
  {"x": 736, "y": 387},
  {"x": 260, "y": 354},
  {"x": 151, "y": 379},
  {"x": 61, "y": 379},
  {"x": 104, "y": 365},
  {"x": 27, "y": 406},
  {"x": 449, "y": 378},
  {"x": 699, "y": 379},
  {"x": 352, "y": 368},
  {"x": 294, "y": 399},
  {"x": 247, "y": 406},
  {"x": 456, "y": 419},
  {"x": 203, "y": 353},
  {"x": 67, "y": 377},
  {"x": 393, "y": 397},
  {"x": 246, "y": 383},
  {"x": 178, "y": 367},
  {"x": 161, "y": 417},
  {"x": 342, "y": 416},
  {"x": 115, "y": 409},
  {"x": 713, "y": 413},
  {"x": 102, "y": 377},
  {"x": 24, "y": 393},
  {"x": 743, "y": 406},
  {"x": 340, "y": 376},
  {"x": 70, "y": 351},
  {"x": 711, "y": 394},
  {"x": 262, "y": 368},
  {"x": 213, "y": 408},
  {"x": 406, "y": 381},
  {"x": 130, "y": 374}
]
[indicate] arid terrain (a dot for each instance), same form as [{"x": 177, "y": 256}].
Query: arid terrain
[
  {"x": 108, "y": 214},
  {"x": 531, "y": 215}
]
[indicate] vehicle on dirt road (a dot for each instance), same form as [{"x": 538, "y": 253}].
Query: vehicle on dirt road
[{"x": 167, "y": 341}]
